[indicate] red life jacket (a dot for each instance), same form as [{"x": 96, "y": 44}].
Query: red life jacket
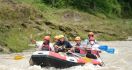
[
  {"x": 95, "y": 52},
  {"x": 81, "y": 50},
  {"x": 46, "y": 47}
]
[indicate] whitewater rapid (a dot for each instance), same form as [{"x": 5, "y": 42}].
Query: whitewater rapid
[{"x": 120, "y": 60}]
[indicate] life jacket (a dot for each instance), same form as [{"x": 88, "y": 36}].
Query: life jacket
[
  {"x": 95, "y": 52},
  {"x": 46, "y": 46},
  {"x": 79, "y": 50},
  {"x": 66, "y": 44}
]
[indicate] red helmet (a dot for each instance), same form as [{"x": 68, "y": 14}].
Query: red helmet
[{"x": 47, "y": 38}]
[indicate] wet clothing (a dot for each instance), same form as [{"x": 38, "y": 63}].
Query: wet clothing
[
  {"x": 90, "y": 55},
  {"x": 45, "y": 46},
  {"x": 94, "y": 47},
  {"x": 62, "y": 46},
  {"x": 79, "y": 48},
  {"x": 87, "y": 42},
  {"x": 94, "y": 51},
  {"x": 65, "y": 44}
]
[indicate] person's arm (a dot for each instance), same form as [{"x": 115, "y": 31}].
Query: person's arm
[
  {"x": 52, "y": 47},
  {"x": 69, "y": 45},
  {"x": 56, "y": 45},
  {"x": 40, "y": 47}
]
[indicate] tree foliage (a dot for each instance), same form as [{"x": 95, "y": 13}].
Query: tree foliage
[
  {"x": 126, "y": 7},
  {"x": 107, "y": 7}
]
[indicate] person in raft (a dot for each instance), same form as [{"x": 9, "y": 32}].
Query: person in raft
[
  {"x": 90, "y": 35},
  {"x": 79, "y": 47},
  {"x": 62, "y": 45},
  {"x": 93, "y": 49},
  {"x": 46, "y": 44}
]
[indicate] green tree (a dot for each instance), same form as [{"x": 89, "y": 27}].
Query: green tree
[{"x": 107, "y": 7}]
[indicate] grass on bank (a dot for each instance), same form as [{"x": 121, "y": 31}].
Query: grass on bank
[{"x": 17, "y": 26}]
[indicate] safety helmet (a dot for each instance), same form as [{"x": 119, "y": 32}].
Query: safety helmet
[
  {"x": 56, "y": 37},
  {"x": 46, "y": 37},
  {"x": 61, "y": 36},
  {"x": 77, "y": 38},
  {"x": 90, "y": 34}
]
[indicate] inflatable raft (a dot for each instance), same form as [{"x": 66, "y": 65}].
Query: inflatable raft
[{"x": 60, "y": 60}]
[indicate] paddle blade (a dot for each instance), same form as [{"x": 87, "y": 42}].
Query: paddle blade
[
  {"x": 103, "y": 47},
  {"x": 18, "y": 57},
  {"x": 87, "y": 59},
  {"x": 111, "y": 50}
]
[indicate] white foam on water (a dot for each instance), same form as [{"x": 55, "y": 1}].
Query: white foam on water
[
  {"x": 85, "y": 67},
  {"x": 35, "y": 67}
]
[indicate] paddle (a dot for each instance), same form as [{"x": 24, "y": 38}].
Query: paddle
[
  {"x": 18, "y": 57},
  {"x": 103, "y": 47},
  {"x": 111, "y": 50},
  {"x": 107, "y": 49},
  {"x": 103, "y": 64},
  {"x": 72, "y": 54},
  {"x": 83, "y": 57}
]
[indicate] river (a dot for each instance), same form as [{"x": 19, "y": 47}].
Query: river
[{"x": 120, "y": 60}]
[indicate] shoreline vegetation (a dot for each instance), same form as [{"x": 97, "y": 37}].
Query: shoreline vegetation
[{"x": 23, "y": 20}]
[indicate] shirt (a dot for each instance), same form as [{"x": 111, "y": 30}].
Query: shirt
[
  {"x": 86, "y": 41},
  {"x": 40, "y": 43},
  {"x": 65, "y": 43}
]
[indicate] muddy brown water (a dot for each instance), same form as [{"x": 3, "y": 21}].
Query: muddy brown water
[{"x": 120, "y": 60}]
